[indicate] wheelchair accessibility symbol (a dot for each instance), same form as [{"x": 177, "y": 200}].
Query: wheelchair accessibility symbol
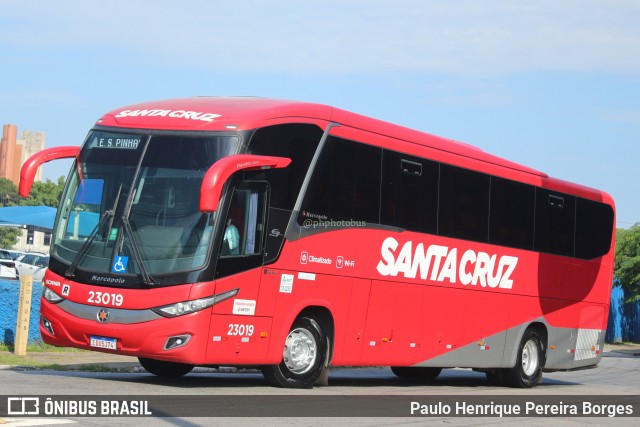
[{"x": 120, "y": 264}]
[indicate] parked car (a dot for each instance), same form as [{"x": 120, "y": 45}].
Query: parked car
[
  {"x": 7, "y": 266},
  {"x": 15, "y": 254},
  {"x": 32, "y": 264}
]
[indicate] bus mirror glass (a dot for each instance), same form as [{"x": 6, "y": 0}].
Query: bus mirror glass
[
  {"x": 221, "y": 171},
  {"x": 30, "y": 167}
]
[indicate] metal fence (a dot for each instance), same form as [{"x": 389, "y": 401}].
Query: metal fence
[
  {"x": 9, "y": 297},
  {"x": 624, "y": 318}
]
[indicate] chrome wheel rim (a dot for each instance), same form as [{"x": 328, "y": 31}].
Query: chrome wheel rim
[
  {"x": 530, "y": 358},
  {"x": 300, "y": 351}
]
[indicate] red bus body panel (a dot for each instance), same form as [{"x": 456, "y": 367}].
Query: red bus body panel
[{"x": 390, "y": 303}]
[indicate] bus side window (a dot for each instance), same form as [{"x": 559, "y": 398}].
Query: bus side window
[
  {"x": 464, "y": 204},
  {"x": 242, "y": 244},
  {"x": 345, "y": 184},
  {"x": 511, "y": 219},
  {"x": 594, "y": 222},
  {"x": 409, "y": 192},
  {"x": 555, "y": 222},
  {"x": 297, "y": 142},
  {"x": 244, "y": 224}
]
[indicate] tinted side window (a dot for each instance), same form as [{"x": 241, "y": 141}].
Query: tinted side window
[
  {"x": 512, "y": 207},
  {"x": 464, "y": 204},
  {"x": 555, "y": 221},
  {"x": 594, "y": 226},
  {"x": 346, "y": 183},
  {"x": 409, "y": 192},
  {"x": 295, "y": 141}
]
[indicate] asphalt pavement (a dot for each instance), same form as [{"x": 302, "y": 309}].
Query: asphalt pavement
[{"x": 87, "y": 360}]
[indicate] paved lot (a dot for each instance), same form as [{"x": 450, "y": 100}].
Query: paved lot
[
  {"x": 617, "y": 376},
  {"x": 74, "y": 359}
]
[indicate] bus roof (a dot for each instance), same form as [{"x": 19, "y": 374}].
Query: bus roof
[
  {"x": 242, "y": 113},
  {"x": 211, "y": 113},
  {"x": 245, "y": 113}
]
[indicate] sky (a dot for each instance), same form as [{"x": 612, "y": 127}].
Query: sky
[{"x": 551, "y": 84}]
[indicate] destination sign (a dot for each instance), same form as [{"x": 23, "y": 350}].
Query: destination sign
[{"x": 118, "y": 142}]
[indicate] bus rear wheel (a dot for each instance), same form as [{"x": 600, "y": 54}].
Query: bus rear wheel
[
  {"x": 303, "y": 357},
  {"x": 416, "y": 373},
  {"x": 528, "y": 370},
  {"x": 165, "y": 369}
]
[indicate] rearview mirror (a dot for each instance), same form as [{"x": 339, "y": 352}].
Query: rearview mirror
[
  {"x": 30, "y": 167},
  {"x": 221, "y": 171}
]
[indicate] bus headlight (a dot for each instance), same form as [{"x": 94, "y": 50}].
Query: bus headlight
[
  {"x": 192, "y": 306},
  {"x": 51, "y": 296}
]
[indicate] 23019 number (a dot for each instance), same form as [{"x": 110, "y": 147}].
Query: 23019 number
[
  {"x": 240, "y": 329},
  {"x": 104, "y": 298}
]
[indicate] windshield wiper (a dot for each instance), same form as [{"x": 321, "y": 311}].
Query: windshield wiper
[
  {"x": 147, "y": 279},
  {"x": 110, "y": 213},
  {"x": 134, "y": 243}
]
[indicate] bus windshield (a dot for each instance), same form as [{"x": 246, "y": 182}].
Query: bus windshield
[{"x": 131, "y": 205}]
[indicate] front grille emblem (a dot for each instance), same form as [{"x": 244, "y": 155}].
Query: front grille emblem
[{"x": 103, "y": 315}]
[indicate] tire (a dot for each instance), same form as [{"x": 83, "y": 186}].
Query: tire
[
  {"x": 165, "y": 369},
  {"x": 416, "y": 373},
  {"x": 303, "y": 357},
  {"x": 528, "y": 370}
]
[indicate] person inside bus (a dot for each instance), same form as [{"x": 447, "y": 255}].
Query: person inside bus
[{"x": 231, "y": 240}]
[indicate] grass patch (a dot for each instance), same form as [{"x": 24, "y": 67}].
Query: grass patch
[
  {"x": 13, "y": 360},
  {"x": 39, "y": 347}
]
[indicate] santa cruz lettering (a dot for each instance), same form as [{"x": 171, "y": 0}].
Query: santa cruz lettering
[
  {"x": 440, "y": 263},
  {"x": 179, "y": 114}
]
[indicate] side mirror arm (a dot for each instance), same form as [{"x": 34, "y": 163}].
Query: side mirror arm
[
  {"x": 30, "y": 167},
  {"x": 221, "y": 171}
]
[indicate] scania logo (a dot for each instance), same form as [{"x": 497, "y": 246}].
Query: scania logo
[{"x": 103, "y": 315}]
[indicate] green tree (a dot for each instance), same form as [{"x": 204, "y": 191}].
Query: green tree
[
  {"x": 44, "y": 194},
  {"x": 8, "y": 237},
  {"x": 8, "y": 193},
  {"x": 8, "y": 197},
  {"x": 627, "y": 261}
]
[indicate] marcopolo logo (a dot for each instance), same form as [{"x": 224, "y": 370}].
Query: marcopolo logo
[{"x": 440, "y": 263}]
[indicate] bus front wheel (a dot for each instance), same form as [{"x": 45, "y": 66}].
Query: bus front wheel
[
  {"x": 303, "y": 357},
  {"x": 165, "y": 369},
  {"x": 528, "y": 370}
]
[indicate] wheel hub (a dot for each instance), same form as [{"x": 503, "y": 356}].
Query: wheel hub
[
  {"x": 300, "y": 351},
  {"x": 530, "y": 361}
]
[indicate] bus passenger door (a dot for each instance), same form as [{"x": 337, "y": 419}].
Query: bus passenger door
[{"x": 236, "y": 325}]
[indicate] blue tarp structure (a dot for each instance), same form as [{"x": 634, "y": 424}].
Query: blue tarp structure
[
  {"x": 42, "y": 218},
  {"x": 22, "y": 216}
]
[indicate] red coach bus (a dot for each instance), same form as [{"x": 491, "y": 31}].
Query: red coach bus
[{"x": 295, "y": 236}]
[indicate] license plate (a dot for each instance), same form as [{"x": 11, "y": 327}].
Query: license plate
[{"x": 103, "y": 342}]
